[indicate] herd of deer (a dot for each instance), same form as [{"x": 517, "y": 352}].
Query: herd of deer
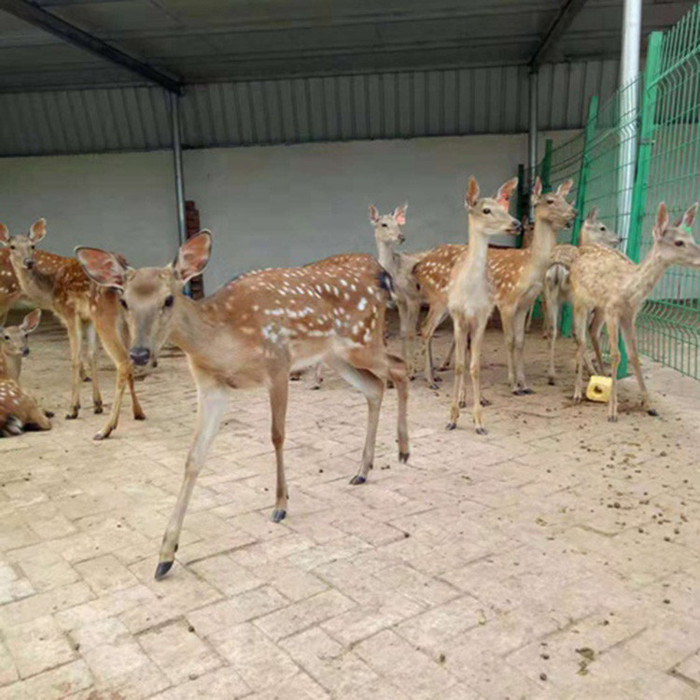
[{"x": 267, "y": 324}]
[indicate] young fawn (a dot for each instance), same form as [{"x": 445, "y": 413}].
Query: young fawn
[
  {"x": 608, "y": 282},
  {"x": 557, "y": 288},
  {"x": 253, "y": 332},
  {"x": 471, "y": 293},
  {"x": 18, "y": 410},
  {"x": 60, "y": 285},
  {"x": 518, "y": 275}
]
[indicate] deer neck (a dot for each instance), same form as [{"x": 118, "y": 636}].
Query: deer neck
[
  {"x": 645, "y": 277},
  {"x": 37, "y": 284},
  {"x": 471, "y": 277},
  {"x": 10, "y": 365},
  {"x": 387, "y": 256},
  {"x": 192, "y": 326},
  {"x": 544, "y": 238}
]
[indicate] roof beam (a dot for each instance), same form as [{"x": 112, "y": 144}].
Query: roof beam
[
  {"x": 33, "y": 14},
  {"x": 565, "y": 16}
]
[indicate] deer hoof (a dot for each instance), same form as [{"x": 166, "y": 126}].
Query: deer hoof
[
  {"x": 612, "y": 419},
  {"x": 551, "y": 381},
  {"x": 315, "y": 387},
  {"x": 434, "y": 386},
  {"x": 358, "y": 479},
  {"x": 49, "y": 414},
  {"x": 87, "y": 379},
  {"x": 482, "y": 431},
  {"x": 98, "y": 407},
  {"x": 527, "y": 391},
  {"x": 462, "y": 404},
  {"x": 518, "y": 392},
  {"x": 162, "y": 569},
  {"x": 278, "y": 515},
  {"x": 103, "y": 434},
  {"x": 451, "y": 426},
  {"x": 73, "y": 414},
  {"x": 140, "y": 416},
  {"x": 484, "y": 402},
  {"x": 403, "y": 457},
  {"x": 652, "y": 412}
]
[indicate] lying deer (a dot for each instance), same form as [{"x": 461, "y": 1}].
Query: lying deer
[
  {"x": 58, "y": 284},
  {"x": 608, "y": 282},
  {"x": 471, "y": 294},
  {"x": 388, "y": 236},
  {"x": 557, "y": 289},
  {"x": 517, "y": 273},
  {"x": 254, "y": 331},
  {"x": 18, "y": 410}
]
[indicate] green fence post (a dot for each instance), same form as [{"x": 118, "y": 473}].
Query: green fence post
[
  {"x": 547, "y": 165},
  {"x": 646, "y": 135},
  {"x": 519, "y": 202},
  {"x": 589, "y": 135}
]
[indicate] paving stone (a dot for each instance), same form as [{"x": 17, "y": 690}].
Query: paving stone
[{"x": 60, "y": 682}]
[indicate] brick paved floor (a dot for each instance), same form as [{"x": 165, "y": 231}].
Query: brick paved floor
[{"x": 555, "y": 558}]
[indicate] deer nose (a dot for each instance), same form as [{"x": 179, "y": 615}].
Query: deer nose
[
  {"x": 29, "y": 264},
  {"x": 25, "y": 352},
  {"x": 140, "y": 356}
]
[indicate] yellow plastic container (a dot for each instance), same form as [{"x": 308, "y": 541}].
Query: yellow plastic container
[{"x": 599, "y": 389}]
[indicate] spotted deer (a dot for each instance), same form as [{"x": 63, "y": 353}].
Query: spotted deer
[
  {"x": 253, "y": 332},
  {"x": 609, "y": 283},
  {"x": 471, "y": 294},
  {"x": 517, "y": 273},
  {"x": 14, "y": 343},
  {"x": 557, "y": 289},
  {"x": 18, "y": 410},
  {"x": 59, "y": 284},
  {"x": 10, "y": 291}
]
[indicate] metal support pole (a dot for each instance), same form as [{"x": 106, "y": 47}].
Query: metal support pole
[
  {"x": 177, "y": 163},
  {"x": 532, "y": 135},
  {"x": 629, "y": 72}
]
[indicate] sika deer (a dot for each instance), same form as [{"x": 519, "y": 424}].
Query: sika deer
[
  {"x": 254, "y": 331},
  {"x": 608, "y": 282},
  {"x": 557, "y": 289},
  {"x": 517, "y": 273},
  {"x": 10, "y": 291},
  {"x": 18, "y": 410},
  {"x": 60, "y": 285},
  {"x": 471, "y": 294}
]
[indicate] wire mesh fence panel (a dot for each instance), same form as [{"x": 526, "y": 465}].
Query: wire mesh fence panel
[{"x": 669, "y": 322}]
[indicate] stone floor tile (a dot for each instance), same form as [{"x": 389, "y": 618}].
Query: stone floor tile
[
  {"x": 105, "y": 574},
  {"x": 221, "y": 684},
  {"x": 56, "y": 684}
]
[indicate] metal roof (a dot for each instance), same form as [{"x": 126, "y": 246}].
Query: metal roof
[{"x": 203, "y": 41}]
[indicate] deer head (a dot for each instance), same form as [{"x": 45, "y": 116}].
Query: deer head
[
  {"x": 14, "y": 338},
  {"x": 150, "y": 295},
  {"x": 675, "y": 243},
  {"x": 22, "y": 247},
  {"x": 489, "y": 215},
  {"x": 594, "y": 231},
  {"x": 387, "y": 227},
  {"x": 552, "y": 207}
]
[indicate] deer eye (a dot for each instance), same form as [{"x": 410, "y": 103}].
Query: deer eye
[
  {"x": 7, "y": 337},
  {"x": 602, "y": 228},
  {"x": 12, "y": 247},
  {"x": 123, "y": 303},
  {"x": 486, "y": 210},
  {"x": 679, "y": 244},
  {"x": 550, "y": 201},
  {"x": 169, "y": 300},
  {"x": 384, "y": 226}
]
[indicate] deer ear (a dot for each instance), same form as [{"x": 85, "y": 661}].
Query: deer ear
[
  {"x": 193, "y": 257},
  {"x": 592, "y": 215},
  {"x": 505, "y": 192},
  {"x": 373, "y": 214},
  {"x": 537, "y": 189},
  {"x": 31, "y": 321},
  {"x": 662, "y": 221},
  {"x": 37, "y": 231},
  {"x": 400, "y": 214},
  {"x": 101, "y": 267},
  {"x": 689, "y": 216},
  {"x": 472, "y": 195},
  {"x": 4, "y": 234},
  {"x": 565, "y": 187}
]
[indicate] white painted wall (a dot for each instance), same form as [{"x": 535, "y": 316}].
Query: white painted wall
[{"x": 267, "y": 206}]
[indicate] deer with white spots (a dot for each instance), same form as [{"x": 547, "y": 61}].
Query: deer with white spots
[
  {"x": 517, "y": 273},
  {"x": 18, "y": 410},
  {"x": 557, "y": 289},
  {"x": 10, "y": 291},
  {"x": 471, "y": 293},
  {"x": 609, "y": 283},
  {"x": 59, "y": 284},
  {"x": 253, "y": 332}
]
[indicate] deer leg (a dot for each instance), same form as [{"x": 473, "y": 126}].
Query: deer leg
[
  {"x": 75, "y": 341},
  {"x": 431, "y": 323},
  {"x": 629, "y": 333},
  {"x": 553, "y": 315},
  {"x": 412, "y": 311},
  {"x": 373, "y": 389},
  {"x": 318, "y": 376},
  {"x": 36, "y": 419},
  {"x": 399, "y": 375},
  {"x": 460, "y": 331},
  {"x": 475, "y": 371},
  {"x": 448, "y": 358},
  {"x": 518, "y": 346},
  {"x": 509, "y": 339},
  {"x": 135, "y": 403},
  {"x": 279, "y": 393},
  {"x": 580, "y": 318},
  {"x": 212, "y": 400},
  {"x": 613, "y": 334},
  {"x": 597, "y": 320},
  {"x": 91, "y": 333}
]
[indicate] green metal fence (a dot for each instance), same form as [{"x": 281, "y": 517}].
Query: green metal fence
[{"x": 640, "y": 148}]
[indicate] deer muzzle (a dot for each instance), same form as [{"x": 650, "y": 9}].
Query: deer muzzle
[{"x": 140, "y": 356}]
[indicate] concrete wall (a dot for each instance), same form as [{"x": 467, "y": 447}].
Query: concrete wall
[{"x": 267, "y": 206}]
